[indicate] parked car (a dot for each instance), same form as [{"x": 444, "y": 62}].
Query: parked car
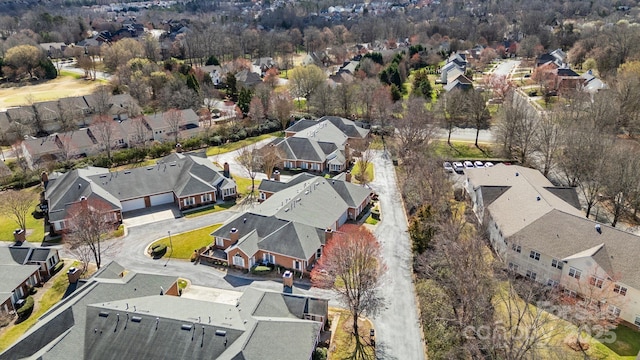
[
  {"x": 488, "y": 164},
  {"x": 458, "y": 167},
  {"x": 447, "y": 167},
  {"x": 468, "y": 165},
  {"x": 478, "y": 164}
]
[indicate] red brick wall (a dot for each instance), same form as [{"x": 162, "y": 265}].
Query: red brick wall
[{"x": 198, "y": 202}]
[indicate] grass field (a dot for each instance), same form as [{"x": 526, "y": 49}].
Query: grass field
[
  {"x": 209, "y": 210},
  {"x": 232, "y": 146},
  {"x": 185, "y": 243},
  {"x": 35, "y": 227},
  {"x": 343, "y": 344},
  {"x": 627, "y": 342},
  {"x": 462, "y": 150},
  {"x": 244, "y": 185},
  {"x": 355, "y": 171},
  {"x": 49, "y": 298},
  {"x": 63, "y": 86}
]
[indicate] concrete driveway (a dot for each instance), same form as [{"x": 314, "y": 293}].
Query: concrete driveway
[
  {"x": 398, "y": 334},
  {"x": 150, "y": 215}
]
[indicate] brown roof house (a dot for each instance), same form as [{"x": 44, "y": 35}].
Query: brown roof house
[
  {"x": 539, "y": 230},
  {"x": 290, "y": 228}
]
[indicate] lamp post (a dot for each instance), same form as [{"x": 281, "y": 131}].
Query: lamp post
[{"x": 170, "y": 246}]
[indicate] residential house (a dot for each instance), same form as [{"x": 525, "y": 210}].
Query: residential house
[
  {"x": 119, "y": 107},
  {"x": 77, "y": 108},
  {"x": 21, "y": 267},
  {"x": 48, "y": 115},
  {"x": 461, "y": 82},
  {"x": 248, "y": 79},
  {"x": 136, "y": 130},
  {"x": 54, "y": 50},
  {"x": 558, "y": 57},
  {"x": 7, "y": 132},
  {"x": 24, "y": 115},
  {"x": 163, "y": 125},
  {"x": 567, "y": 80},
  {"x": 263, "y": 64},
  {"x": 125, "y": 314},
  {"x": 456, "y": 62},
  {"x": 291, "y": 226},
  {"x": 591, "y": 83},
  {"x": 320, "y": 145},
  {"x": 59, "y": 147},
  {"x": 215, "y": 72},
  {"x": 185, "y": 180},
  {"x": 540, "y": 232}
]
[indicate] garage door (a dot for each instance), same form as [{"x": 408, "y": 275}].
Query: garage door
[
  {"x": 132, "y": 204},
  {"x": 161, "y": 199}
]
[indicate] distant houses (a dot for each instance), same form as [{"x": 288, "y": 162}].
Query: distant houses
[
  {"x": 452, "y": 74},
  {"x": 554, "y": 74}
]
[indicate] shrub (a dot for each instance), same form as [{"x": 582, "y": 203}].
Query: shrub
[
  {"x": 320, "y": 354},
  {"x": 215, "y": 140},
  {"x": 261, "y": 269},
  {"x": 27, "y": 308},
  {"x": 159, "y": 250}
]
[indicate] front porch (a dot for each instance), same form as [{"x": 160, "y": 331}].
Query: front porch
[{"x": 214, "y": 256}]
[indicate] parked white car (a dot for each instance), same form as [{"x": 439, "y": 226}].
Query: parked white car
[
  {"x": 478, "y": 164},
  {"x": 468, "y": 165},
  {"x": 458, "y": 167}
]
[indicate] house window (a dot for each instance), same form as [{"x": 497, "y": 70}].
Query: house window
[
  {"x": 513, "y": 267},
  {"x": 205, "y": 198},
  {"x": 575, "y": 273},
  {"x": 552, "y": 283},
  {"x": 570, "y": 293},
  {"x": 189, "y": 201},
  {"x": 303, "y": 165},
  {"x": 556, "y": 264},
  {"x": 618, "y": 289},
  {"x": 296, "y": 265},
  {"x": 516, "y": 248},
  {"x": 238, "y": 260},
  {"x": 614, "y": 310},
  {"x": 534, "y": 255},
  {"x": 596, "y": 281},
  {"x": 269, "y": 258},
  {"x": 263, "y": 196},
  {"x": 637, "y": 321},
  {"x": 530, "y": 275},
  {"x": 318, "y": 253}
]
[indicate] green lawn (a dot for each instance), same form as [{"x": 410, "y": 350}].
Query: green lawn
[
  {"x": 71, "y": 74},
  {"x": 49, "y": 298},
  {"x": 355, "y": 171},
  {"x": 343, "y": 344},
  {"x": 209, "y": 210},
  {"x": 231, "y": 146},
  {"x": 462, "y": 150},
  {"x": 627, "y": 341},
  {"x": 244, "y": 185},
  {"x": 35, "y": 227},
  {"x": 184, "y": 244}
]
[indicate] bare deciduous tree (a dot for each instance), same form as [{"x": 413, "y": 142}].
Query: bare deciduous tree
[
  {"x": 104, "y": 128},
  {"x": 517, "y": 126},
  {"x": 89, "y": 222},
  {"x": 174, "y": 120},
  {"x": 18, "y": 205},
  {"x": 415, "y": 126},
  {"x": 249, "y": 159},
  {"x": 270, "y": 157}
]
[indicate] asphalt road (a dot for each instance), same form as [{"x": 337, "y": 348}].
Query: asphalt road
[
  {"x": 129, "y": 252},
  {"x": 506, "y": 67},
  {"x": 398, "y": 334}
]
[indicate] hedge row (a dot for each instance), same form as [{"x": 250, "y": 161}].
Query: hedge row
[
  {"x": 27, "y": 308},
  {"x": 158, "y": 250}
]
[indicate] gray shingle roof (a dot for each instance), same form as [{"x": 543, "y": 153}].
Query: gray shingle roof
[
  {"x": 296, "y": 148},
  {"x": 275, "y": 186},
  {"x": 518, "y": 206},
  {"x": 294, "y": 239},
  {"x": 562, "y": 235}
]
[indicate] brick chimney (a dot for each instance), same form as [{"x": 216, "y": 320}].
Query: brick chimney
[
  {"x": 347, "y": 176},
  {"x": 276, "y": 175},
  {"x": 328, "y": 235},
  {"x": 44, "y": 177},
  {"x": 226, "y": 172},
  {"x": 20, "y": 236},
  {"x": 234, "y": 235}
]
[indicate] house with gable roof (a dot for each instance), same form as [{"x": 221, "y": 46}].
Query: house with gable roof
[
  {"x": 185, "y": 180},
  {"x": 126, "y": 314},
  {"x": 319, "y": 145},
  {"x": 291, "y": 226},
  {"x": 21, "y": 267},
  {"x": 540, "y": 232}
]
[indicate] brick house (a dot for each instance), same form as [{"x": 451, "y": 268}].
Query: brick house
[
  {"x": 290, "y": 228},
  {"x": 185, "y": 180}
]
